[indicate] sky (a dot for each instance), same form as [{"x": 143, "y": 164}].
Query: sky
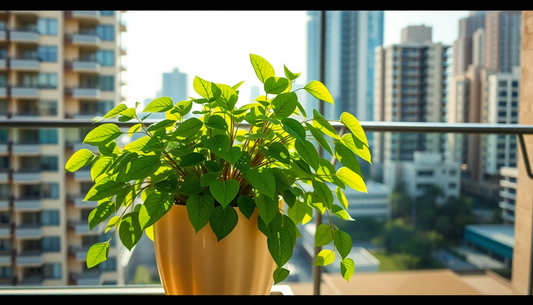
[{"x": 215, "y": 45}]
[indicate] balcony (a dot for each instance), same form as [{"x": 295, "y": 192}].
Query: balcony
[
  {"x": 6, "y": 229},
  {"x": 506, "y": 206},
  {"x": 86, "y": 278},
  {"x": 81, "y": 227},
  {"x": 507, "y": 194},
  {"x": 83, "y": 92},
  {"x": 5, "y": 203},
  {"x": 83, "y": 66},
  {"x": 25, "y": 63},
  {"x": 30, "y": 230},
  {"x": 25, "y": 92},
  {"x": 28, "y": 204},
  {"x": 82, "y": 175},
  {"x": 3, "y": 34},
  {"x": 30, "y": 258},
  {"x": 77, "y": 146},
  {"x": 78, "y": 253},
  {"x": 6, "y": 257},
  {"x": 24, "y": 35},
  {"x": 26, "y": 149},
  {"x": 78, "y": 202},
  {"x": 5, "y": 175},
  {"x": 3, "y": 90},
  {"x": 122, "y": 50},
  {"x": 31, "y": 280},
  {"x": 89, "y": 39},
  {"x": 86, "y": 15},
  {"x": 122, "y": 24}
]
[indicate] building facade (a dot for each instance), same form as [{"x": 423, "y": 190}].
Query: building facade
[{"x": 54, "y": 65}]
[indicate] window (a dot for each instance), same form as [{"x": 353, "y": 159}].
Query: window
[
  {"x": 47, "y": 108},
  {"x": 49, "y": 163},
  {"x": 52, "y": 271},
  {"x": 502, "y": 93},
  {"x": 6, "y": 272},
  {"x": 51, "y": 244},
  {"x": 50, "y": 190},
  {"x": 514, "y": 94},
  {"x": 502, "y": 103},
  {"x": 453, "y": 172},
  {"x": 109, "y": 265},
  {"x": 503, "y": 83},
  {"x": 106, "y": 57},
  {"x": 106, "y": 32},
  {"x": 5, "y": 245},
  {"x": 3, "y": 80},
  {"x": 4, "y": 162},
  {"x": 107, "y": 13},
  {"x": 452, "y": 185},
  {"x": 428, "y": 173},
  {"x": 47, "y": 53},
  {"x": 96, "y": 108},
  {"x": 50, "y": 217},
  {"x": 47, "y": 80},
  {"x": 47, "y": 26},
  {"x": 106, "y": 83},
  {"x": 48, "y": 136},
  {"x": 515, "y": 84},
  {"x": 512, "y": 179}
]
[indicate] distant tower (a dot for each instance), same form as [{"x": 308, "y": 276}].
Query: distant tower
[{"x": 175, "y": 85}]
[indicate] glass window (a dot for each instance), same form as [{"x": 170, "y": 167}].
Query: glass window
[
  {"x": 106, "y": 83},
  {"x": 6, "y": 272},
  {"x": 50, "y": 217},
  {"x": 49, "y": 163},
  {"x": 109, "y": 265},
  {"x": 503, "y": 93},
  {"x": 48, "y": 136},
  {"x": 50, "y": 190},
  {"x": 47, "y": 53},
  {"x": 3, "y": 135},
  {"x": 107, "y": 13},
  {"x": 47, "y": 108},
  {"x": 106, "y": 32},
  {"x": 47, "y": 26},
  {"x": 3, "y": 105},
  {"x": 106, "y": 57},
  {"x": 515, "y": 84},
  {"x": 47, "y": 80},
  {"x": 3, "y": 80},
  {"x": 5, "y": 245},
  {"x": 51, "y": 244},
  {"x": 52, "y": 271}
]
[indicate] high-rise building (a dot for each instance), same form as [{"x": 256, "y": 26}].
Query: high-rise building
[
  {"x": 175, "y": 85},
  {"x": 410, "y": 86},
  {"x": 54, "y": 65},
  {"x": 351, "y": 37},
  {"x": 494, "y": 39}
]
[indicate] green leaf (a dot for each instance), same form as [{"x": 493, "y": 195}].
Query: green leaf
[
  {"x": 183, "y": 107},
  {"x": 223, "y": 221},
  {"x": 323, "y": 125},
  {"x": 237, "y": 85},
  {"x": 111, "y": 223},
  {"x": 289, "y": 74},
  {"x": 161, "y": 124},
  {"x": 108, "y": 149},
  {"x": 327, "y": 170},
  {"x": 324, "y": 192},
  {"x": 268, "y": 208},
  {"x": 341, "y": 197},
  {"x": 101, "y": 166},
  {"x": 246, "y": 205},
  {"x": 189, "y": 127},
  {"x": 347, "y": 268},
  {"x": 140, "y": 168},
  {"x": 115, "y": 111},
  {"x": 280, "y": 246},
  {"x": 289, "y": 198},
  {"x": 161, "y": 104},
  {"x": 357, "y": 147},
  {"x": 232, "y": 155},
  {"x": 216, "y": 122},
  {"x": 294, "y": 128},
  {"x": 276, "y": 85},
  {"x": 323, "y": 235},
  {"x": 228, "y": 96},
  {"x": 351, "y": 179},
  {"x": 79, "y": 159},
  {"x": 291, "y": 227},
  {"x": 353, "y": 124},
  {"x": 314, "y": 200},
  {"x": 319, "y": 91},
  {"x": 244, "y": 163},
  {"x": 199, "y": 209},
  {"x": 301, "y": 165},
  {"x": 283, "y": 182},
  {"x": 284, "y": 104},
  {"x": 102, "y": 134},
  {"x": 168, "y": 185},
  {"x": 129, "y": 230},
  {"x": 209, "y": 178},
  {"x": 205, "y": 89},
  {"x": 101, "y": 213},
  {"x": 263, "y": 69},
  {"x": 135, "y": 128},
  {"x": 191, "y": 185},
  {"x": 341, "y": 213},
  {"x": 319, "y": 137},
  {"x": 271, "y": 230},
  {"x": 301, "y": 109},
  {"x": 191, "y": 159},
  {"x": 224, "y": 191},
  {"x": 137, "y": 145},
  {"x": 280, "y": 274},
  {"x": 125, "y": 197},
  {"x": 97, "y": 253},
  {"x": 325, "y": 257},
  {"x": 308, "y": 152},
  {"x": 298, "y": 211},
  {"x": 155, "y": 206},
  {"x": 262, "y": 180},
  {"x": 127, "y": 115},
  {"x": 217, "y": 144},
  {"x": 103, "y": 188},
  {"x": 343, "y": 243},
  {"x": 213, "y": 166}
]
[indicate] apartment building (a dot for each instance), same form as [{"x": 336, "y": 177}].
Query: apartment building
[
  {"x": 508, "y": 193},
  {"x": 411, "y": 85},
  {"x": 55, "y": 65}
]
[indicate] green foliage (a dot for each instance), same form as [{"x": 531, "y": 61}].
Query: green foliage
[{"x": 218, "y": 168}]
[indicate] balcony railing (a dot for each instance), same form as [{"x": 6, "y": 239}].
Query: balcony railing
[
  {"x": 30, "y": 258},
  {"x": 83, "y": 65},
  {"x": 85, "y": 92},
  {"x": 24, "y": 63},
  {"x": 83, "y": 38}
]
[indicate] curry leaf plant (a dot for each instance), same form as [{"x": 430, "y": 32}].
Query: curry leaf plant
[{"x": 217, "y": 166}]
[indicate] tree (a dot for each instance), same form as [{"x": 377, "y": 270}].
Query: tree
[{"x": 400, "y": 202}]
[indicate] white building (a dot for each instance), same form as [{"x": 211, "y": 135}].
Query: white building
[
  {"x": 503, "y": 92},
  {"x": 429, "y": 169},
  {"x": 508, "y": 192}
]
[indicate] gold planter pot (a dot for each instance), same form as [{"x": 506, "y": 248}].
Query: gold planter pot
[{"x": 196, "y": 264}]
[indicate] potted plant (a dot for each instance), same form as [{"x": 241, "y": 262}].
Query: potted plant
[{"x": 211, "y": 194}]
